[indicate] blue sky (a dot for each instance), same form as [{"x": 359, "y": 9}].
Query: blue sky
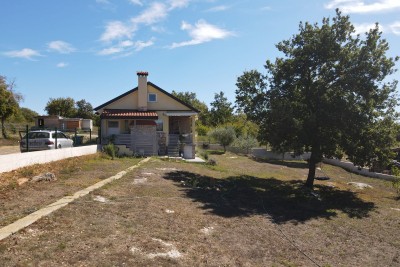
[{"x": 91, "y": 49}]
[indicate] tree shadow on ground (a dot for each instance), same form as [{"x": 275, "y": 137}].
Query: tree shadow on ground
[
  {"x": 290, "y": 164},
  {"x": 282, "y": 201}
]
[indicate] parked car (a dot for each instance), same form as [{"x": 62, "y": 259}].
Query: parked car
[{"x": 44, "y": 140}]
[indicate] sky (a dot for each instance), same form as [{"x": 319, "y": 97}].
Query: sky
[{"x": 92, "y": 49}]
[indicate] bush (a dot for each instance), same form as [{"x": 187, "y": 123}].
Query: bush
[
  {"x": 111, "y": 150},
  {"x": 202, "y": 129},
  {"x": 245, "y": 143},
  {"x": 212, "y": 162},
  {"x": 223, "y": 135},
  {"x": 204, "y": 155}
]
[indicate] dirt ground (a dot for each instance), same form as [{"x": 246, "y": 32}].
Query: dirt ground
[
  {"x": 9, "y": 150},
  {"x": 240, "y": 212},
  {"x": 9, "y": 146}
]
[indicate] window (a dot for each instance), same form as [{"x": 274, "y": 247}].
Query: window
[
  {"x": 59, "y": 135},
  {"x": 152, "y": 97}
]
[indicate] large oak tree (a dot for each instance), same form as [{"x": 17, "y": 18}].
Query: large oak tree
[{"x": 329, "y": 94}]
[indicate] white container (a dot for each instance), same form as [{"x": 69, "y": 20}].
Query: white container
[{"x": 87, "y": 124}]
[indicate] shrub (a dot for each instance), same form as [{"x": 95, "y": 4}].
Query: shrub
[
  {"x": 212, "y": 162},
  {"x": 245, "y": 143},
  {"x": 396, "y": 182},
  {"x": 202, "y": 129},
  {"x": 223, "y": 135},
  {"x": 111, "y": 150}
]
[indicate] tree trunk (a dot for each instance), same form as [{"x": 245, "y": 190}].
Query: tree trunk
[
  {"x": 315, "y": 157},
  {"x": 311, "y": 171},
  {"x": 3, "y": 129}
]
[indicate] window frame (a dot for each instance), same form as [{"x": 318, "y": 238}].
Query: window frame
[{"x": 151, "y": 94}]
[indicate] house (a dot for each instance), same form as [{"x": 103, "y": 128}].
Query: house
[
  {"x": 63, "y": 124},
  {"x": 148, "y": 121}
]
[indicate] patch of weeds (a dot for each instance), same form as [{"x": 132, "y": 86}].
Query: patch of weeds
[
  {"x": 396, "y": 182},
  {"x": 12, "y": 185},
  {"x": 204, "y": 155},
  {"x": 27, "y": 172},
  {"x": 211, "y": 162},
  {"x": 396, "y": 185},
  {"x": 61, "y": 246}
]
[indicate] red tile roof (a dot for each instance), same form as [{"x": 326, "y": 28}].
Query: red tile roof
[{"x": 128, "y": 114}]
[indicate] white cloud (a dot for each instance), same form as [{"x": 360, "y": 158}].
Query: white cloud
[
  {"x": 218, "y": 8},
  {"x": 202, "y": 32},
  {"x": 117, "y": 30},
  {"x": 26, "y": 53},
  {"x": 139, "y": 45},
  {"x": 127, "y": 47},
  {"x": 178, "y": 4},
  {"x": 395, "y": 27},
  {"x": 150, "y": 16},
  {"x": 136, "y": 2},
  {"x": 361, "y": 28},
  {"x": 360, "y": 6},
  {"x": 155, "y": 13},
  {"x": 62, "y": 65},
  {"x": 111, "y": 51},
  {"x": 61, "y": 47}
]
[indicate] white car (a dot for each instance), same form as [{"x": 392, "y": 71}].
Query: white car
[{"x": 44, "y": 140}]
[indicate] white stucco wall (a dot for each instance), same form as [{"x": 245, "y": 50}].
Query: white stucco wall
[{"x": 11, "y": 162}]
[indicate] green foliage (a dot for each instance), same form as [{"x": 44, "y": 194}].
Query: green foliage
[
  {"x": 201, "y": 129},
  {"x": 204, "y": 155},
  {"x": 245, "y": 143},
  {"x": 191, "y": 99},
  {"x": 223, "y": 135},
  {"x": 396, "y": 185},
  {"x": 84, "y": 110},
  {"x": 396, "y": 182},
  {"x": 329, "y": 94},
  {"x": 8, "y": 102},
  {"x": 64, "y": 107},
  {"x": 111, "y": 150},
  {"x": 67, "y": 107},
  {"x": 221, "y": 110},
  {"x": 211, "y": 162},
  {"x": 28, "y": 114}
]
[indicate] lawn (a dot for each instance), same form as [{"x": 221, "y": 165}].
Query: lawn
[{"x": 240, "y": 212}]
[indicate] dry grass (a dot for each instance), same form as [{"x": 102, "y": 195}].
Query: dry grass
[{"x": 239, "y": 213}]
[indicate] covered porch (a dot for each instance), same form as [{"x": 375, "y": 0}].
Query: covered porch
[{"x": 150, "y": 133}]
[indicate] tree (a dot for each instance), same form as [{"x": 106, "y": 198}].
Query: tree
[
  {"x": 191, "y": 99},
  {"x": 84, "y": 110},
  {"x": 221, "y": 111},
  {"x": 224, "y": 136},
  {"x": 64, "y": 107},
  {"x": 8, "y": 102},
  {"x": 28, "y": 114},
  {"x": 245, "y": 143},
  {"x": 329, "y": 95}
]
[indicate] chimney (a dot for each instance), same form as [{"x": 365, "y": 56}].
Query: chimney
[{"x": 142, "y": 90}]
